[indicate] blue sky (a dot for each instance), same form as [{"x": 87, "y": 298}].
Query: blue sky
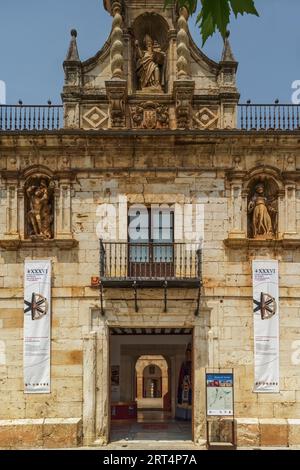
[{"x": 34, "y": 38}]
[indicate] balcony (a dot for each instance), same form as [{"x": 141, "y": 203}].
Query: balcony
[
  {"x": 31, "y": 117},
  {"x": 255, "y": 117},
  {"x": 251, "y": 117},
  {"x": 150, "y": 264}
]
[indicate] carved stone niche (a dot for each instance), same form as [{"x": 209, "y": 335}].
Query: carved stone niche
[
  {"x": 150, "y": 53},
  {"x": 263, "y": 209},
  {"x": 39, "y": 207}
]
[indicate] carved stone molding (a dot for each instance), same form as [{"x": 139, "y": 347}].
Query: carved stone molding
[
  {"x": 117, "y": 94},
  {"x": 206, "y": 118},
  {"x": 183, "y": 95},
  {"x": 239, "y": 243},
  {"x": 149, "y": 115},
  {"x": 17, "y": 244},
  {"x": 95, "y": 118}
]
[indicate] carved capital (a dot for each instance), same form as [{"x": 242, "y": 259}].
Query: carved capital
[
  {"x": 117, "y": 95},
  {"x": 183, "y": 94}
]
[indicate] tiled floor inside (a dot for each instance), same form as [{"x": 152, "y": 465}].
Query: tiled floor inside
[{"x": 152, "y": 425}]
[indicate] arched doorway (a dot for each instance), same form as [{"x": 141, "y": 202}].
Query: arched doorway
[
  {"x": 152, "y": 383},
  {"x": 146, "y": 368}
]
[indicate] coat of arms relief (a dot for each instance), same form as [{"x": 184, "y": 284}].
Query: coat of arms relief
[{"x": 149, "y": 115}]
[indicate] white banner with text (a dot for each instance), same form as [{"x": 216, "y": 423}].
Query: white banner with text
[
  {"x": 266, "y": 325},
  {"x": 37, "y": 326}
]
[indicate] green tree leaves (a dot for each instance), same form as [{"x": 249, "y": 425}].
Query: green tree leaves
[{"x": 214, "y": 15}]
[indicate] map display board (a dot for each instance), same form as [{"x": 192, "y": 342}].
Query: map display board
[{"x": 219, "y": 394}]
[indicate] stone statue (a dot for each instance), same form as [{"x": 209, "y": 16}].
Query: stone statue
[
  {"x": 262, "y": 211},
  {"x": 40, "y": 215},
  {"x": 150, "y": 62}
]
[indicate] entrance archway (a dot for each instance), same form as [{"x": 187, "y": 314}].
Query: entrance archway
[
  {"x": 145, "y": 370},
  {"x": 152, "y": 383}
]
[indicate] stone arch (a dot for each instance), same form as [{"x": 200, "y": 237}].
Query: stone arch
[
  {"x": 142, "y": 365},
  {"x": 153, "y": 24},
  {"x": 152, "y": 381},
  {"x": 263, "y": 172},
  {"x": 37, "y": 169}
]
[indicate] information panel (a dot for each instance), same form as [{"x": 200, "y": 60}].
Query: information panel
[{"x": 219, "y": 394}]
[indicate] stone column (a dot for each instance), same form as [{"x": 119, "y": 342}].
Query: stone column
[
  {"x": 102, "y": 387},
  {"x": 89, "y": 388},
  {"x": 116, "y": 87},
  {"x": 236, "y": 211},
  {"x": 290, "y": 211},
  {"x": 173, "y": 387},
  {"x": 172, "y": 60},
  {"x": 199, "y": 398},
  {"x": 117, "y": 45},
  {"x": 183, "y": 52},
  {"x": 12, "y": 210},
  {"x": 281, "y": 213},
  {"x": 184, "y": 87},
  {"x": 245, "y": 212},
  {"x": 63, "y": 210},
  {"x": 21, "y": 213}
]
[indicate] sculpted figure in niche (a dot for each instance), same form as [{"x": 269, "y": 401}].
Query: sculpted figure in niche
[
  {"x": 263, "y": 213},
  {"x": 40, "y": 213},
  {"x": 150, "y": 62}
]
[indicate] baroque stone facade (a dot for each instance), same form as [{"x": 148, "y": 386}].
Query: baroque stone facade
[{"x": 147, "y": 159}]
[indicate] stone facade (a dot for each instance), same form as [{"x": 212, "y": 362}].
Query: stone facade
[
  {"x": 103, "y": 91},
  {"x": 204, "y": 163}
]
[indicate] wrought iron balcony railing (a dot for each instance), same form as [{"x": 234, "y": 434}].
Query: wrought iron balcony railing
[
  {"x": 269, "y": 117},
  {"x": 250, "y": 117},
  {"x": 32, "y": 117},
  {"x": 150, "y": 262}
]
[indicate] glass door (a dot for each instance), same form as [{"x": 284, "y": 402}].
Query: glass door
[{"x": 151, "y": 242}]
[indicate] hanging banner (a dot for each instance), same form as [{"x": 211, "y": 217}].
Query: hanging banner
[
  {"x": 266, "y": 326},
  {"x": 37, "y": 326}
]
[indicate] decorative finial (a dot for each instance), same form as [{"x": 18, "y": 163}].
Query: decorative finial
[
  {"x": 72, "y": 55},
  {"x": 227, "y": 55}
]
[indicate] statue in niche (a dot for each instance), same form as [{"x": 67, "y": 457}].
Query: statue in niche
[
  {"x": 150, "y": 62},
  {"x": 40, "y": 208},
  {"x": 263, "y": 213}
]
